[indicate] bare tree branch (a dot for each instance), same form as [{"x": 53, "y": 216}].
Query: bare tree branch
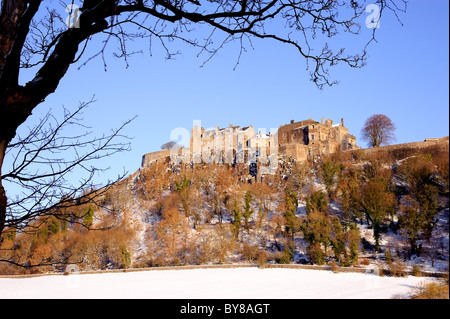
[{"x": 44, "y": 162}]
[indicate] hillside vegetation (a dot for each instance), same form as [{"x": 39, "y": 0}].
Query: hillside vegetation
[{"x": 387, "y": 209}]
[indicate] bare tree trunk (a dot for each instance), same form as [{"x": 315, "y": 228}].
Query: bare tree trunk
[
  {"x": 17, "y": 102},
  {"x": 11, "y": 117},
  {"x": 15, "y": 16}
]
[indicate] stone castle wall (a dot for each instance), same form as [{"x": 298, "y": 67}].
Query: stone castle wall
[
  {"x": 299, "y": 141},
  {"x": 399, "y": 151},
  {"x": 311, "y": 140},
  {"x": 155, "y": 157}
]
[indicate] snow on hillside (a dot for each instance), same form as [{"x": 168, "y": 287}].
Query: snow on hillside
[{"x": 234, "y": 283}]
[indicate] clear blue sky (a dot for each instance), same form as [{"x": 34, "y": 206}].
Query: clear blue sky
[{"x": 406, "y": 78}]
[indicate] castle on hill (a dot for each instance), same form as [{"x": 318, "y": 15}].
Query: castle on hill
[{"x": 306, "y": 140}]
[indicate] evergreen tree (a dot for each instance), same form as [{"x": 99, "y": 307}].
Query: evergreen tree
[
  {"x": 354, "y": 239},
  {"x": 53, "y": 226},
  {"x": 316, "y": 228},
  {"x": 88, "y": 216},
  {"x": 237, "y": 220},
  {"x": 420, "y": 215},
  {"x": 328, "y": 171},
  {"x": 316, "y": 254},
  {"x": 125, "y": 257},
  {"x": 350, "y": 199},
  {"x": 247, "y": 208},
  {"x": 290, "y": 204},
  {"x": 184, "y": 191},
  {"x": 378, "y": 203},
  {"x": 338, "y": 238},
  {"x": 317, "y": 201},
  {"x": 427, "y": 198}
]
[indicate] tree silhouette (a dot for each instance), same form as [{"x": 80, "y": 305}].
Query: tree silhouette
[
  {"x": 41, "y": 165},
  {"x": 378, "y": 130}
]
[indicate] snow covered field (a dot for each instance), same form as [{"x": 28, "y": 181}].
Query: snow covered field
[{"x": 235, "y": 283}]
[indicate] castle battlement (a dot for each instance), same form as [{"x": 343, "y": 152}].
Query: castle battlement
[{"x": 305, "y": 140}]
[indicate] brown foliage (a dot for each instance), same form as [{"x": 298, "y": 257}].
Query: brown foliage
[
  {"x": 378, "y": 130},
  {"x": 48, "y": 246},
  {"x": 250, "y": 252},
  {"x": 433, "y": 290},
  {"x": 441, "y": 161},
  {"x": 171, "y": 231}
]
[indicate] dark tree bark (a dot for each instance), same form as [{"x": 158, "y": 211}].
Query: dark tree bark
[{"x": 41, "y": 163}]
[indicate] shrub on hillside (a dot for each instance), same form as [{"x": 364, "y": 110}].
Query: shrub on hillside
[{"x": 432, "y": 290}]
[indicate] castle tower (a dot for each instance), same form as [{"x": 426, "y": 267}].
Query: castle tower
[{"x": 195, "y": 144}]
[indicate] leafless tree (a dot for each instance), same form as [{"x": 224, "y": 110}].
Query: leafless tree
[
  {"x": 378, "y": 130},
  {"x": 51, "y": 171},
  {"x": 168, "y": 145},
  {"x": 34, "y": 35}
]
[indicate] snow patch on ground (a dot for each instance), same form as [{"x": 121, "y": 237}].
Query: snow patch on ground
[{"x": 234, "y": 283}]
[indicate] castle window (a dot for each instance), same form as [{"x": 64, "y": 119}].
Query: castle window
[{"x": 312, "y": 136}]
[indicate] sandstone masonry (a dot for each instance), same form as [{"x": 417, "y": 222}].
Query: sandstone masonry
[{"x": 306, "y": 140}]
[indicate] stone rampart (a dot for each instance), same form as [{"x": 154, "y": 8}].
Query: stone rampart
[{"x": 399, "y": 151}]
